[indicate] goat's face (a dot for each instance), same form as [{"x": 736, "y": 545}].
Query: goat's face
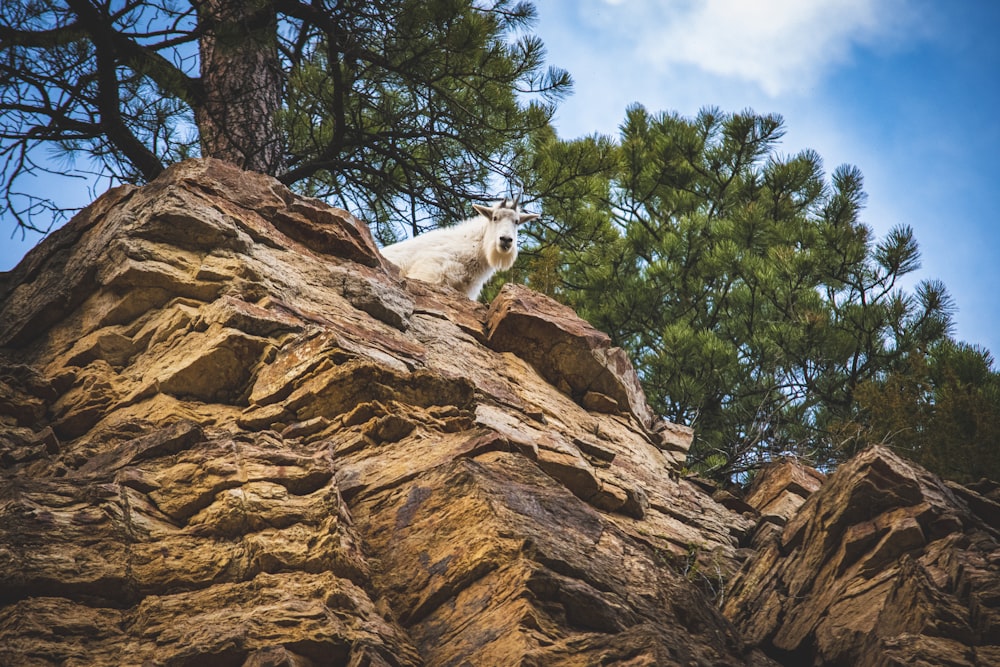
[{"x": 500, "y": 238}]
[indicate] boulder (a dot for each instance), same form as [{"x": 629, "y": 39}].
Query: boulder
[{"x": 568, "y": 352}]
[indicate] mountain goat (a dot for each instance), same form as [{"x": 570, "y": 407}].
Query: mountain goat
[{"x": 466, "y": 255}]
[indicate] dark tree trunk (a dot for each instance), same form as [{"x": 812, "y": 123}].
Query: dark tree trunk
[{"x": 242, "y": 82}]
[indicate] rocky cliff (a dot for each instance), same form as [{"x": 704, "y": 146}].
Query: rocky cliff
[
  {"x": 884, "y": 564},
  {"x": 230, "y": 434}
]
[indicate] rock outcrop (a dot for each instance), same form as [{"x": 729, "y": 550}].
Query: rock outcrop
[
  {"x": 885, "y": 564},
  {"x": 231, "y": 435}
]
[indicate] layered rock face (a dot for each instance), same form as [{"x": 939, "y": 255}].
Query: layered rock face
[
  {"x": 231, "y": 435},
  {"x": 883, "y": 565}
]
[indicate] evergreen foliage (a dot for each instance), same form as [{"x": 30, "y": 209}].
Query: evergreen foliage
[
  {"x": 400, "y": 110},
  {"x": 744, "y": 285},
  {"x": 756, "y": 304},
  {"x": 941, "y": 409}
]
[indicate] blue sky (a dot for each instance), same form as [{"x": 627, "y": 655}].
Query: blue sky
[{"x": 907, "y": 90}]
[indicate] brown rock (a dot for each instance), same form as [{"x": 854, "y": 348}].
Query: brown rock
[
  {"x": 314, "y": 617},
  {"x": 672, "y": 437},
  {"x": 547, "y": 577},
  {"x": 231, "y": 435},
  {"x": 781, "y": 487},
  {"x": 568, "y": 352},
  {"x": 882, "y": 565},
  {"x": 52, "y": 280}
]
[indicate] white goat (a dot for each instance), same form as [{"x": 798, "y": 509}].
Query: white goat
[{"x": 466, "y": 255}]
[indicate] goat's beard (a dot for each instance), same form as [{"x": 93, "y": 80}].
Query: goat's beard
[{"x": 501, "y": 259}]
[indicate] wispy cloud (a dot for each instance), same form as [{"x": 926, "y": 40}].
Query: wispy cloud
[{"x": 782, "y": 46}]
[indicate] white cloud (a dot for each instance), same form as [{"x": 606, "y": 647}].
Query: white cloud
[{"x": 781, "y": 46}]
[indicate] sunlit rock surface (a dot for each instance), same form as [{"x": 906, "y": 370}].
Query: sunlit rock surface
[
  {"x": 230, "y": 434},
  {"x": 885, "y": 564}
]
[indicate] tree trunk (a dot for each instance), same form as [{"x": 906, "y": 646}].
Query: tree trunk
[{"x": 242, "y": 82}]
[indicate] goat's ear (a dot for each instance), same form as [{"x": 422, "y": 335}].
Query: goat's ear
[
  {"x": 527, "y": 217},
  {"x": 484, "y": 210}
]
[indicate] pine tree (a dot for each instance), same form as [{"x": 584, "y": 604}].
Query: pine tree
[
  {"x": 941, "y": 409},
  {"x": 400, "y": 110},
  {"x": 744, "y": 285}
]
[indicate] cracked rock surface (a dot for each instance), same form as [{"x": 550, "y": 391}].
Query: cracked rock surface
[
  {"x": 232, "y": 435},
  {"x": 884, "y": 564}
]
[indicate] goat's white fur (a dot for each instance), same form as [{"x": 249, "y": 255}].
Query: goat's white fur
[{"x": 465, "y": 255}]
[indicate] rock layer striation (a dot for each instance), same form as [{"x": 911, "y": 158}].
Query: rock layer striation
[
  {"x": 233, "y": 436},
  {"x": 230, "y": 434},
  {"x": 884, "y": 564}
]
